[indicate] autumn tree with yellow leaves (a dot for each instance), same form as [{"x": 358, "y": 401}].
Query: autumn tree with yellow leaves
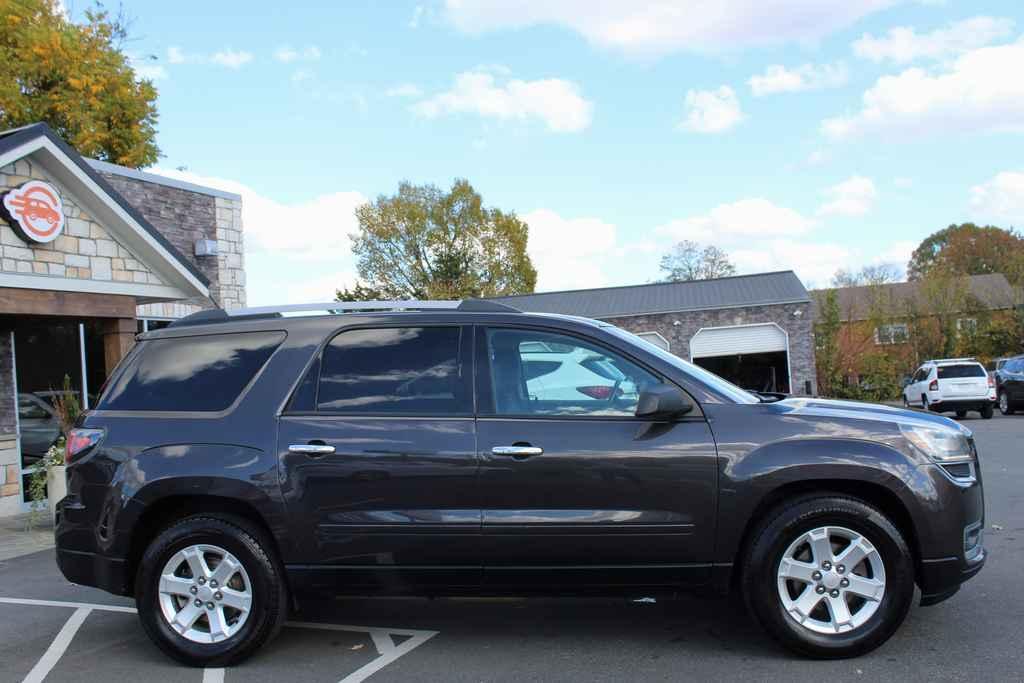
[{"x": 75, "y": 77}]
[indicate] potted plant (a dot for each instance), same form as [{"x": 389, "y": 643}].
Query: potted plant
[{"x": 48, "y": 482}]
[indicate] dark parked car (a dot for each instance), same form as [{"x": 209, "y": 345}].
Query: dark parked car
[
  {"x": 1009, "y": 377},
  {"x": 241, "y": 463}
]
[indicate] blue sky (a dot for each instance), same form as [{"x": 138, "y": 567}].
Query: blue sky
[{"x": 804, "y": 134}]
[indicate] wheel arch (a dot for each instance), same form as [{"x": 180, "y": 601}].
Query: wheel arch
[
  {"x": 161, "y": 513},
  {"x": 872, "y": 493}
]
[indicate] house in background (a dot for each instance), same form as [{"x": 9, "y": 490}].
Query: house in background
[
  {"x": 754, "y": 330},
  {"x": 903, "y": 320}
]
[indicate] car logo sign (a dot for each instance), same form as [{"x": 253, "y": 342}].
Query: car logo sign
[{"x": 35, "y": 211}]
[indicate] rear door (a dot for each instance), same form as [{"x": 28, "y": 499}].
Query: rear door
[
  {"x": 575, "y": 489},
  {"x": 963, "y": 380},
  {"x": 378, "y": 448},
  {"x": 1013, "y": 379}
]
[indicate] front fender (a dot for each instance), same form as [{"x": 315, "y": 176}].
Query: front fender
[{"x": 749, "y": 478}]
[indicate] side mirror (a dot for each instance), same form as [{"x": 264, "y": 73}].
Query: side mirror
[
  {"x": 662, "y": 402},
  {"x": 907, "y": 381}
]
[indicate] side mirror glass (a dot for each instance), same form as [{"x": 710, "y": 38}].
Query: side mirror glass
[{"x": 662, "y": 402}]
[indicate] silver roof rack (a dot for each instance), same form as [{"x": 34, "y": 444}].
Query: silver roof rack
[
  {"x": 342, "y": 306},
  {"x": 339, "y": 307}
]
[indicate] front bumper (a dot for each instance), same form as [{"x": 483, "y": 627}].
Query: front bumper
[{"x": 941, "y": 579}]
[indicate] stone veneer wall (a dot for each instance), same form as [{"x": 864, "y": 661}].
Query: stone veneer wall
[
  {"x": 184, "y": 216},
  {"x": 85, "y": 250},
  {"x": 799, "y": 327}
]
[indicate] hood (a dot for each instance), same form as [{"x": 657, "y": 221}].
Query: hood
[{"x": 831, "y": 408}]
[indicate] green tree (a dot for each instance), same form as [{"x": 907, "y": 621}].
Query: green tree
[
  {"x": 826, "y": 340},
  {"x": 969, "y": 249},
  {"x": 425, "y": 243},
  {"x": 75, "y": 78},
  {"x": 689, "y": 261}
]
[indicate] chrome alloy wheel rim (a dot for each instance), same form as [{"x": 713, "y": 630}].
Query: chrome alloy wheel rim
[
  {"x": 831, "y": 580},
  {"x": 1004, "y": 403},
  {"x": 205, "y": 593}
]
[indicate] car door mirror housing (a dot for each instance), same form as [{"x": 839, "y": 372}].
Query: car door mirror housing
[{"x": 662, "y": 402}]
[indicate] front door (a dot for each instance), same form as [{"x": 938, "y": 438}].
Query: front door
[
  {"x": 378, "y": 450},
  {"x": 575, "y": 489}
]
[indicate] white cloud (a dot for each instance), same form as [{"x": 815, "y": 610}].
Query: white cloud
[
  {"x": 778, "y": 79},
  {"x": 404, "y": 90},
  {"x": 818, "y": 157},
  {"x": 554, "y": 101},
  {"x": 904, "y": 44},
  {"x": 317, "y": 289},
  {"x": 232, "y": 59},
  {"x": 711, "y": 111},
  {"x": 814, "y": 263},
  {"x": 316, "y": 229},
  {"x": 855, "y": 196},
  {"x": 979, "y": 91},
  {"x": 146, "y": 68},
  {"x": 903, "y": 182},
  {"x": 1001, "y": 198},
  {"x": 570, "y": 253},
  {"x": 897, "y": 254},
  {"x": 746, "y": 218},
  {"x": 658, "y": 27},
  {"x": 287, "y": 54}
]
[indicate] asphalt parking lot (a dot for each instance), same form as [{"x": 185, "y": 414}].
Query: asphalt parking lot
[{"x": 53, "y": 630}]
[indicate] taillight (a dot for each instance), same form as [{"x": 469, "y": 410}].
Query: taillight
[
  {"x": 600, "y": 392},
  {"x": 934, "y": 385},
  {"x": 991, "y": 382},
  {"x": 79, "y": 441}
]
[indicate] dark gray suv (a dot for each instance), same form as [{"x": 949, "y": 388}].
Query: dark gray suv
[{"x": 241, "y": 463}]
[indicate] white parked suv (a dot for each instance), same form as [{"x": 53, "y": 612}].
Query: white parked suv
[{"x": 951, "y": 384}]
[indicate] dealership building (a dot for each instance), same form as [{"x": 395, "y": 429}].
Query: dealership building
[
  {"x": 755, "y": 330},
  {"x": 90, "y": 255}
]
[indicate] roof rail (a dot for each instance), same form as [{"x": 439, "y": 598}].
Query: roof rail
[
  {"x": 951, "y": 360},
  {"x": 336, "y": 307}
]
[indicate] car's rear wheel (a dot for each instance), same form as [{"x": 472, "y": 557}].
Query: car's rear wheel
[
  {"x": 961, "y": 413},
  {"x": 829, "y": 576},
  {"x": 209, "y": 590},
  {"x": 1005, "y": 407},
  {"x": 986, "y": 412}
]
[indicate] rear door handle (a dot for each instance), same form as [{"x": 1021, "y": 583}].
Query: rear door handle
[
  {"x": 520, "y": 451},
  {"x": 314, "y": 449}
]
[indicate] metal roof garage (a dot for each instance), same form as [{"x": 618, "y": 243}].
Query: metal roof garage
[{"x": 754, "y": 330}]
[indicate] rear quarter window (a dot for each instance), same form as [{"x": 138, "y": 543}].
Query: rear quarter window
[
  {"x": 186, "y": 374},
  {"x": 960, "y": 371}
]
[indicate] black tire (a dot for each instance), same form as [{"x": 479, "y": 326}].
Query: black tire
[
  {"x": 961, "y": 413},
  {"x": 986, "y": 412},
  {"x": 906, "y": 403},
  {"x": 251, "y": 546},
  {"x": 924, "y": 402},
  {"x": 783, "y": 526},
  {"x": 1005, "y": 407}
]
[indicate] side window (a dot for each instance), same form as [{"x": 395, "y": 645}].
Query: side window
[
  {"x": 539, "y": 373},
  {"x": 204, "y": 373},
  {"x": 395, "y": 371}
]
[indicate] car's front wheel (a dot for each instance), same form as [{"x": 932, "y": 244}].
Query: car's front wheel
[
  {"x": 1004, "y": 404},
  {"x": 209, "y": 590},
  {"x": 829, "y": 576}
]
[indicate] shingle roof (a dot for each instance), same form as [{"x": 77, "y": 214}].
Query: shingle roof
[
  {"x": 991, "y": 290},
  {"x": 762, "y": 289},
  {"x": 14, "y": 137}
]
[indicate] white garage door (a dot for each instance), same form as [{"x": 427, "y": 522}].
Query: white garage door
[{"x": 733, "y": 341}]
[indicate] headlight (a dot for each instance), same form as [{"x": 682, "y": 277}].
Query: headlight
[{"x": 944, "y": 446}]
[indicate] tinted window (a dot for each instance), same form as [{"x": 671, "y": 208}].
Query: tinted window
[
  {"x": 204, "y": 373},
  {"x": 538, "y": 373},
  {"x": 397, "y": 370},
  {"x": 955, "y": 371}
]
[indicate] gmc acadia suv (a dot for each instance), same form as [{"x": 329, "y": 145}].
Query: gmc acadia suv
[{"x": 239, "y": 463}]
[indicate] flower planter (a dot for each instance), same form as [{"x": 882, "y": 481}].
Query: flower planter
[{"x": 56, "y": 486}]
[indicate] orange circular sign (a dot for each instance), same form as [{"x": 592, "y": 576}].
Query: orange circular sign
[{"x": 35, "y": 211}]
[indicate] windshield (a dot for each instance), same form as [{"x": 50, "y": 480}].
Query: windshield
[{"x": 698, "y": 373}]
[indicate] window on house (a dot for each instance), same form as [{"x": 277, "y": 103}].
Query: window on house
[
  {"x": 895, "y": 333},
  {"x": 967, "y": 325}
]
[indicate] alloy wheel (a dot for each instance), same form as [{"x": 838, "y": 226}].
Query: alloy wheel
[
  {"x": 1004, "y": 404},
  {"x": 205, "y": 593},
  {"x": 831, "y": 580}
]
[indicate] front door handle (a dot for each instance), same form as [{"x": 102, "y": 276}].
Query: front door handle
[
  {"x": 314, "y": 449},
  {"x": 520, "y": 451}
]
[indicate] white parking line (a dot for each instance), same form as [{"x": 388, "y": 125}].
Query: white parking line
[
  {"x": 58, "y": 646},
  {"x": 382, "y": 639}
]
